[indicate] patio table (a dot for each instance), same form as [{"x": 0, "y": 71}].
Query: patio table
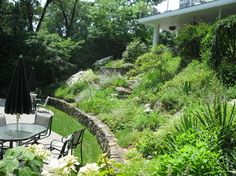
[{"x": 11, "y": 133}]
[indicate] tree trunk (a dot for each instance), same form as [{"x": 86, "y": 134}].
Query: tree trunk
[
  {"x": 64, "y": 16},
  {"x": 43, "y": 14},
  {"x": 29, "y": 11}
]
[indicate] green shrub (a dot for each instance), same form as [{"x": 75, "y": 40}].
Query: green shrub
[
  {"x": 195, "y": 83},
  {"x": 148, "y": 144},
  {"x": 168, "y": 38},
  {"x": 191, "y": 160},
  {"x": 134, "y": 50},
  {"x": 123, "y": 117},
  {"x": 217, "y": 119},
  {"x": 97, "y": 101},
  {"x": 21, "y": 161},
  {"x": 189, "y": 42},
  {"x": 126, "y": 137},
  {"x": 89, "y": 76},
  {"x": 112, "y": 80},
  {"x": 119, "y": 118},
  {"x": 231, "y": 92},
  {"x": 222, "y": 119},
  {"x": 152, "y": 60},
  {"x": 69, "y": 92},
  {"x": 153, "y": 69},
  {"x": 219, "y": 48},
  {"x": 144, "y": 121}
]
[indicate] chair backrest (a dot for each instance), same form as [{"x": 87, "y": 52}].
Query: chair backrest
[
  {"x": 77, "y": 138},
  {"x": 2, "y": 120},
  {"x": 44, "y": 119},
  {"x": 72, "y": 142}
]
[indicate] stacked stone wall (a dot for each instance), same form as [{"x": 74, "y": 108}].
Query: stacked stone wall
[{"x": 103, "y": 134}]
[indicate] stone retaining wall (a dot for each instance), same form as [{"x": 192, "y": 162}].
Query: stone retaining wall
[{"x": 104, "y": 136}]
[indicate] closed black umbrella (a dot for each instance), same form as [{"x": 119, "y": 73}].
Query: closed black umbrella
[
  {"x": 32, "y": 81},
  {"x": 18, "y": 97}
]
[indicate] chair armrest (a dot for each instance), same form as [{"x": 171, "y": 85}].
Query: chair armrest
[
  {"x": 55, "y": 140},
  {"x": 64, "y": 138}
]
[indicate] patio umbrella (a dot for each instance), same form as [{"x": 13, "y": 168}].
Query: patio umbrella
[
  {"x": 18, "y": 97},
  {"x": 32, "y": 81}
]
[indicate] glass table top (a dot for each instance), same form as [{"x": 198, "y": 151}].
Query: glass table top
[{"x": 11, "y": 132}]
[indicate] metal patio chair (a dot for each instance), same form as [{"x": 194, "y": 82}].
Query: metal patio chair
[
  {"x": 44, "y": 119},
  {"x": 68, "y": 144}
]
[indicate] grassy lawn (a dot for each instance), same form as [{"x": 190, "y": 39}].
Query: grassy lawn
[{"x": 64, "y": 125}]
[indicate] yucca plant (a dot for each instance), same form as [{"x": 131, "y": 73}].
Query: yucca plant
[
  {"x": 221, "y": 118},
  {"x": 187, "y": 122}
]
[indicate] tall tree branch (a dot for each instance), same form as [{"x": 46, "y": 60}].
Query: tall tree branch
[
  {"x": 72, "y": 17},
  {"x": 64, "y": 14},
  {"x": 43, "y": 14}
]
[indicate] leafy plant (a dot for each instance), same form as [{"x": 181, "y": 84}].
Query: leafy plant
[
  {"x": 223, "y": 120},
  {"x": 97, "y": 100},
  {"x": 196, "y": 83},
  {"x": 219, "y": 116},
  {"x": 218, "y": 120},
  {"x": 20, "y": 161},
  {"x": 133, "y": 50},
  {"x": 219, "y": 48},
  {"x": 148, "y": 144},
  {"x": 69, "y": 92},
  {"x": 231, "y": 92},
  {"x": 152, "y": 70},
  {"x": 191, "y": 160},
  {"x": 168, "y": 38},
  {"x": 112, "y": 80},
  {"x": 189, "y": 42}
]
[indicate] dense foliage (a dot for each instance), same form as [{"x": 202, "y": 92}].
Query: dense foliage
[
  {"x": 134, "y": 50},
  {"x": 189, "y": 42},
  {"x": 170, "y": 110},
  {"x": 169, "y": 118},
  {"x": 220, "y": 48},
  {"x": 60, "y": 35},
  {"x": 21, "y": 161}
]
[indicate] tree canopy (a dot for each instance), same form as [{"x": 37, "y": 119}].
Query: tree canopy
[{"x": 59, "y": 37}]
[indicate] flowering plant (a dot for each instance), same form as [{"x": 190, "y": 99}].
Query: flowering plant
[
  {"x": 39, "y": 151},
  {"x": 61, "y": 167},
  {"x": 104, "y": 167}
]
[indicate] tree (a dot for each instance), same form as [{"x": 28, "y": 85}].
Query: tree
[
  {"x": 113, "y": 25},
  {"x": 68, "y": 18},
  {"x": 56, "y": 57}
]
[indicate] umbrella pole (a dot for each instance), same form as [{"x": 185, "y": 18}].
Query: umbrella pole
[{"x": 17, "y": 120}]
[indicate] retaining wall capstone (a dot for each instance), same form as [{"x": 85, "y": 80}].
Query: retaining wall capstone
[{"x": 103, "y": 134}]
